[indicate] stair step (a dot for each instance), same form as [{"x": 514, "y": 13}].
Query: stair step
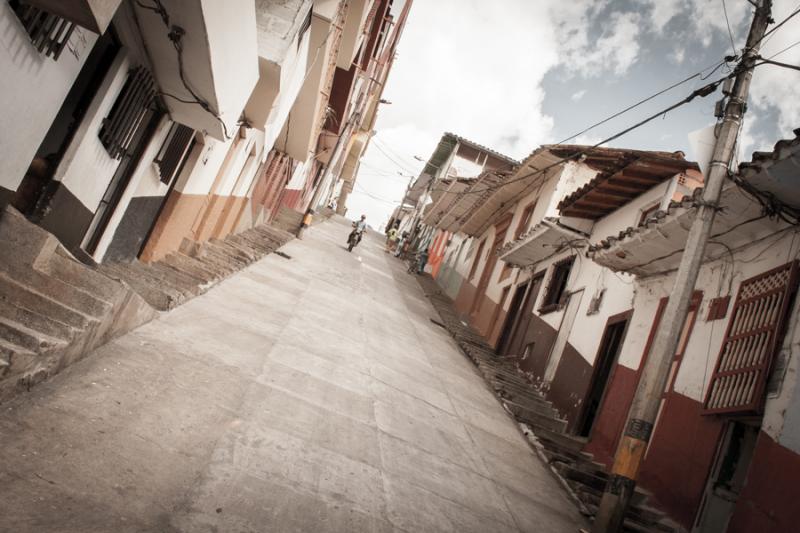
[
  {"x": 560, "y": 439},
  {"x": 247, "y": 243},
  {"x": 209, "y": 252},
  {"x": 231, "y": 250},
  {"x": 185, "y": 282},
  {"x": 158, "y": 278},
  {"x": 221, "y": 265},
  {"x": 20, "y": 295},
  {"x": 64, "y": 293},
  {"x": 35, "y": 321},
  {"x": 536, "y": 420},
  {"x": 161, "y": 298},
  {"x": 540, "y": 408},
  {"x": 253, "y": 240},
  {"x": 276, "y": 234},
  {"x": 186, "y": 263},
  {"x": 14, "y": 356},
  {"x": 21, "y": 335},
  {"x": 62, "y": 267}
]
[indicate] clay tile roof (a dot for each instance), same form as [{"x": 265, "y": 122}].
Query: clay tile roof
[
  {"x": 622, "y": 176},
  {"x": 655, "y": 218},
  {"x": 761, "y": 161}
]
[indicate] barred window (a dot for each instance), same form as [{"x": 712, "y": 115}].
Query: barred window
[
  {"x": 174, "y": 152},
  {"x": 49, "y": 33},
  {"x": 137, "y": 95}
]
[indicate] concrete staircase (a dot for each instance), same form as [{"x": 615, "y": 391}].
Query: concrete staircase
[
  {"x": 582, "y": 477},
  {"x": 53, "y": 309},
  {"x": 194, "y": 269},
  {"x": 288, "y": 219}
]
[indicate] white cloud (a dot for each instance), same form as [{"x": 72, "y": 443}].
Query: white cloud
[
  {"x": 678, "y": 55},
  {"x": 775, "y": 88},
  {"x": 476, "y": 68},
  {"x": 663, "y": 11},
  {"x": 616, "y": 49},
  {"x": 465, "y": 67}
]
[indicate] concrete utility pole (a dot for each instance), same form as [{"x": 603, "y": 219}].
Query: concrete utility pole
[{"x": 644, "y": 409}]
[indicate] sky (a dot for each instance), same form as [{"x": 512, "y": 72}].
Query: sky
[{"x": 515, "y": 74}]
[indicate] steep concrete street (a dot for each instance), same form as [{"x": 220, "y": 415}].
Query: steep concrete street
[{"x": 303, "y": 394}]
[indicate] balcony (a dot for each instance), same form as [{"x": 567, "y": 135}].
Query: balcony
[{"x": 218, "y": 60}]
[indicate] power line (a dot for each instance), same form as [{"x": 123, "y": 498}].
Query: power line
[
  {"x": 703, "y": 91},
  {"x": 374, "y": 197},
  {"x": 393, "y": 152},
  {"x": 390, "y": 158},
  {"x": 728, "y": 23},
  {"x": 714, "y": 67},
  {"x": 645, "y": 100}
]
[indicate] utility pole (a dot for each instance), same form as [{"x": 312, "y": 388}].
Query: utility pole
[{"x": 644, "y": 409}]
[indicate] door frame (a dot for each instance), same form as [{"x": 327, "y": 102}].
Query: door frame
[
  {"x": 511, "y": 322},
  {"x": 119, "y": 182},
  {"x": 518, "y": 336},
  {"x": 501, "y": 228},
  {"x": 613, "y": 320}
]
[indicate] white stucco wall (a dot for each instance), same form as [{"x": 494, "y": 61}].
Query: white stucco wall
[
  {"x": 33, "y": 88},
  {"x": 716, "y": 279},
  {"x": 220, "y": 59},
  {"x": 87, "y": 168},
  {"x": 205, "y": 169}
]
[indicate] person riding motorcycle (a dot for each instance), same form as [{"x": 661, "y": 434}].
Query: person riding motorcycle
[{"x": 355, "y": 236}]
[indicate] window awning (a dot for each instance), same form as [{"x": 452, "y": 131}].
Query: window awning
[
  {"x": 546, "y": 239},
  {"x": 656, "y": 246},
  {"x": 444, "y": 196},
  {"x": 451, "y": 219},
  {"x": 491, "y": 202}
]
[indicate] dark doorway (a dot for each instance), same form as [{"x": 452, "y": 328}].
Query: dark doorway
[
  {"x": 610, "y": 345},
  {"x": 727, "y": 476},
  {"x": 522, "y": 335},
  {"x": 32, "y": 195},
  {"x": 512, "y": 319}
]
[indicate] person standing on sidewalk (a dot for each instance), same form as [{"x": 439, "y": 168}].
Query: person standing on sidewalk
[{"x": 391, "y": 239}]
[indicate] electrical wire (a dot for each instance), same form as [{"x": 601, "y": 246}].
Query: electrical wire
[
  {"x": 390, "y": 158},
  {"x": 399, "y": 156},
  {"x": 728, "y": 23},
  {"x": 175, "y": 35},
  {"x": 778, "y": 25},
  {"x": 374, "y": 197}
]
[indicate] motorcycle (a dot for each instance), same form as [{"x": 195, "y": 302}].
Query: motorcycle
[{"x": 354, "y": 239}]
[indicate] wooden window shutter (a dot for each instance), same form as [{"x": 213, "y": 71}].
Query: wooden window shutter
[
  {"x": 755, "y": 331},
  {"x": 127, "y": 112}
]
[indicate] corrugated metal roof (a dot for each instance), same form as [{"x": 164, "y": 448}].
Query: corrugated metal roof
[
  {"x": 451, "y": 220},
  {"x": 444, "y": 198},
  {"x": 492, "y": 202}
]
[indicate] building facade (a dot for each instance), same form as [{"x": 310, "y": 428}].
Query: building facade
[
  {"x": 144, "y": 125},
  {"x": 565, "y": 265}
]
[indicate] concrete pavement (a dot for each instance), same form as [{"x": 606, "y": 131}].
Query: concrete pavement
[{"x": 303, "y": 394}]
